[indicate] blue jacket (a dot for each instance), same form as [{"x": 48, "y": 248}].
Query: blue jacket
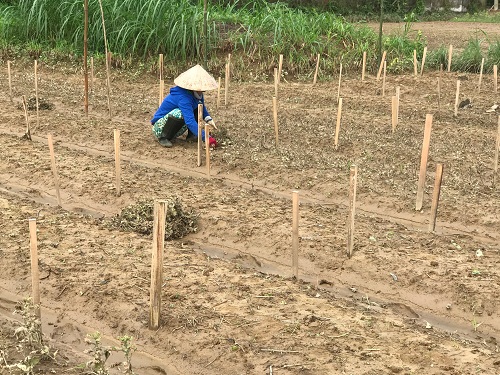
[{"x": 186, "y": 102}]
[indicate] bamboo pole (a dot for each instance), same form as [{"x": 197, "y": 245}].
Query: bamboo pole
[
  {"x": 423, "y": 61},
  {"x": 35, "y": 274},
  {"x": 352, "y": 209},
  {"x": 381, "y": 65},
  {"x": 340, "y": 80},
  {"x": 423, "y": 162},
  {"x": 207, "y": 148},
  {"x": 364, "y": 67},
  {"x": 394, "y": 113},
  {"x": 295, "y": 233},
  {"x": 10, "y": 80},
  {"x": 317, "y": 69},
  {"x": 275, "y": 118},
  {"x": 495, "y": 78},
  {"x": 218, "y": 94},
  {"x": 457, "y": 96},
  {"x": 36, "y": 94},
  {"x": 117, "y": 161},
  {"x": 337, "y": 127},
  {"x": 480, "y": 76},
  {"x": 54, "y": 168},
  {"x": 497, "y": 148},
  {"x": 383, "y": 78},
  {"x": 276, "y": 82},
  {"x": 26, "y": 118},
  {"x": 159, "y": 214},
  {"x": 450, "y": 55},
  {"x": 200, "y": 127},
  {"x": 435, "y": 196},
  {"x": 108, "y": 80},
  {"x": 415, "y": 68},
  {"x": 85, "y": 56},
  {"x": 280, "y": 68}
]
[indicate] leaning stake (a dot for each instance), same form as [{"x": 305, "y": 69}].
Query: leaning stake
[
  {"x": 480, "y": 76},
  {"x": 54, "y": 168},
  {"x": 117, "y": 161},
  {"x": 381, "y": 65},
  {"x": 435, "y": 196},
  {"x": 159, "y": 214},
  {"x": 295, "y": 233},
  {"x": 364, "y": 66},
  {"x": 317, "y": 69},
  {"x": 457, "y": 96},
  {"x": 352, "y": 209},
  {"x": 423, "y": 61},
  {"x": 337, "y": 127},
  {"x": 423, "y": 162},
  {"x": 35, "y": 275}
]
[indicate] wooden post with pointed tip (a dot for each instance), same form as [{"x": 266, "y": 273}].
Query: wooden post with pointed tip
[
  {"x": 317, "y": 69},
  {"x": 364, "y": 67},
  {"x": 10, "y": 80},
  {"x": 435, "y": 196},
  {"x": 207, "y": 148},
  {"x": 337, "y": 127},
  {"x": 450, "y": 54},
  {"x": 35, "y": 274},
  {"x": 54, "y": 168},
  {"x": 159, "y": 215},
  {"x": 381, "y": 65},
  {"x": 340, "y": 80},
  {"x": 457, "y": 96},
  {"x": 275, "y": 118},
  {"x": 353, "y": 177},
  {"x": 116, "y": 134},
  {"x": 295, "y": 233},
  {"x": 423, "y": 61},
  {"x": 423, "y": 162},
  {"x": 497, "y": 148},
  {"x": 200, "y": 127}
]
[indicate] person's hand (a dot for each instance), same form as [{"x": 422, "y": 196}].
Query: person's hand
[
  {"x": 212, "y": 123},
  {"x": 212, "y": 142}
]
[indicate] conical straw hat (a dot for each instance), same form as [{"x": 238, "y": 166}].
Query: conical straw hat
[{"x": 196, "y": 79}]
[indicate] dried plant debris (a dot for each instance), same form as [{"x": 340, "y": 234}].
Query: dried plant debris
[{"x": 139, "y": 218}]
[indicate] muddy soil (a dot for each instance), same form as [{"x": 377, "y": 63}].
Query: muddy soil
[{"x": 408, "y": 301}]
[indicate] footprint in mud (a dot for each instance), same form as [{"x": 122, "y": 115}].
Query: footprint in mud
[{"x": 68, "y": 334}]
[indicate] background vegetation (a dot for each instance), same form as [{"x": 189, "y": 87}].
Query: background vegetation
[{"x": 255, "y": 32}]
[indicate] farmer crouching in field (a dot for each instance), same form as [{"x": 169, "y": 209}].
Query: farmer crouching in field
[{"x": 179, "y": 110}]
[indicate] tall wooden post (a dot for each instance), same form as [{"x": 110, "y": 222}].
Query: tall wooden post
[
  {"x": 423, "y": 162},
  {"x": 295, "y": 233},
  {"x": 364, "y": 67},
  {"x": 36, "y": 94},
  {"x": 159, "y": 213},
  {"x": 435, "y": 196},
  {"x": 352, "y": 209},
  {"x": 35, "y": 275},
  {"x": 337, "y": 126}
]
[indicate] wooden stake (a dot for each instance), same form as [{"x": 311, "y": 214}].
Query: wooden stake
[
  {"x": 10, "y": 80},
  {"x": 423, "y": 162},
  {"x": 337, "y": 127},
  {"x": 160, "y": 66},
  {"x": 36, "y": 93},
  {"x": 383, "y": 79},
  {"x": 200, "y": 127},
  {"x": 108, "y": 80},
  {"x": 423, "y": 61},
  {"x": 276, "y": 82},
  {"x": 280, "y": 68},
  {"x": 275, "y": 118},
  {"x": 415, "y": 69},
  {"x": 435, "y": 196},
  {"x": 218, "y": 94},
  {"x": 450, "y": 54},
  {"x": 480, "y": 76},
  {"x": 161, "y": 92},
  {"x": 340, "y": 80},
  {"x": 27, "y": 119},
  {"x": 398, "y": 95},
  {"x": 457, "y": 96},
  {"x": 295, "y": 233},
  {"x": 226, "y": 84},
  {"x": 394, "y": 113},
  {"x": 54, "y": 168},
  {"x": 497, "y": 148},
  {"x": 85, "y": 56},
  {"x": 159, "y": 214},
  {"x": 381, "y": 65},
  {"x": 35, "y": 274},
  {"x": 317, "y": 69},
  {"x": 117, "y": 161},
  {"x": 495, "y": 78},
  {"x": 352, "y": 209},
  {"x": 364, "y": 67},
  {"x": 207, "y": 148}
]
